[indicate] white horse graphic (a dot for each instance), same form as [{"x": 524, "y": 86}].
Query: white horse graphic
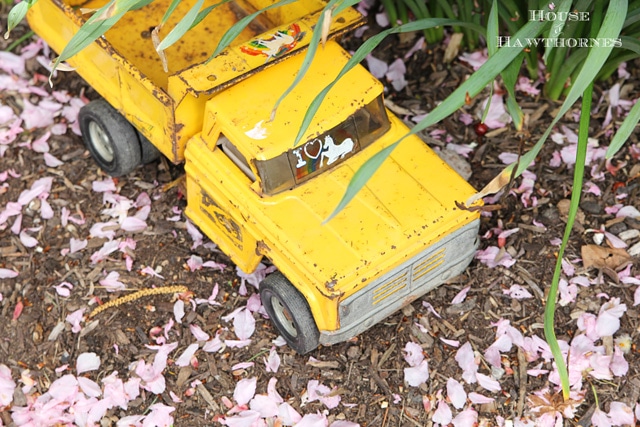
[{"x": 333, "y": 152}]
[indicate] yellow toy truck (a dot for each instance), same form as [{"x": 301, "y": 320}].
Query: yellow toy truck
[{"x": 249, "y": 188}]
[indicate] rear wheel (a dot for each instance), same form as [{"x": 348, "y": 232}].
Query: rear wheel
[
  {"x": 290, "y": 313},
  {"x": 149, "y": 151},
  {"x": 110, "y": 138}
]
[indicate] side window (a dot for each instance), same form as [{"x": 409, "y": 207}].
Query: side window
[{"x": 235, "y": 156}]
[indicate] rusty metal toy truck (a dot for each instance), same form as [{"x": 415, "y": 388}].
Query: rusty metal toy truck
[{"x": 249, "y": 188}]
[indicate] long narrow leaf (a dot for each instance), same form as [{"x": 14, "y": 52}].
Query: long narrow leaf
[
  {"x": 550, "y": 307},
  {"x": 181, "y": 27},
  {"x": 16, "y": 14},
  {"x": 361, "y": 177},
  {"x": 170, "y": 10},
  {"x": 556, "y": 28},
  {"x": 627, "y": 126}
]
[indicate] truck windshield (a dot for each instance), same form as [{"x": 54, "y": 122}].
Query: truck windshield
[{"x": 326, "y": 150}]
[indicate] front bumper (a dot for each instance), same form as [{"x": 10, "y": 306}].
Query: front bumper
[{"x": 439, "y": 262}]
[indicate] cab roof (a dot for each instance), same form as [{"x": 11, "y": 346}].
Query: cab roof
[{"x": 244, "y": 110}]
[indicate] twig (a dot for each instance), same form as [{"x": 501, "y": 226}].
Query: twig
[
  {"x": 137, "y": 295},
  {"x": 522, "y": 389}
]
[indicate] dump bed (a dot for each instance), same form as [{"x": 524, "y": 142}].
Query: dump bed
[{"x": 167, "y": 107}]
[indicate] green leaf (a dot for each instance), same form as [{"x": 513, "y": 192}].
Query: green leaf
[
  {"x": 204, "y": 12},
  {"x": 596, "y": 58},
  {"x": 493, "y": 30},
  {"x": 170, "y": 9},
  {"x": 181, "y": 27},
  {"x": 361, "y": 177},
  {"x": 237, "y": 28},
  {"x": 550, "y": 307},
  {"x": 556, "y": 28},
  {"x": 630, "y": 43},
  {"x": 15, "y": 16},
  {"x": 626, "y": 128}
]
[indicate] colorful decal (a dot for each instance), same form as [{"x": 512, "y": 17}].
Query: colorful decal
[
  {"x": 315, "y": 154},
  {"x": 280, "y": 43},
  {"x": 216, "y": 214}
]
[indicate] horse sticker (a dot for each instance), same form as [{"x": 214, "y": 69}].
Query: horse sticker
[{"x": 277, "y": 45}]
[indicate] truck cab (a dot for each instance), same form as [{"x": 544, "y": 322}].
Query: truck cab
[{"x": 263, "y": 196}]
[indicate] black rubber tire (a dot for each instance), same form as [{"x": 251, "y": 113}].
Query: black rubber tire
[
  {"x": 149, "y": 151},
  {"x": 290, "y": 313},
  {"x": 110, "y": 138}
]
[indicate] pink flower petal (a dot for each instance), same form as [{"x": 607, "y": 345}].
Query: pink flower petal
[
  {"x": 89, "y": 387},
  {"x": 159, "y": 416},
  {"x": 288, "y": 415},
  {"x": 456, "y": 393},
  {"x": 272, "y": 363},
  {"x": 621, "y": 414},
  {"x": 466, "y": 360},
  {"x": 7, "y": 386},
  {"x": 133, "y": 225},
  {"x": 244, "y": 324},
  {"x": 488, "y": 383},
  {"x": 87, "y": 362},
  {"x": 479, "y": 399},
  {"x": 416, "y": 375},
  {"x": 185, "y": 357},
  {"x": 178, "y": 310},
  {"x": 6, "y": 273},
  {"x": 245, "y": 390},
  {"x": 264, "y": 406},
  {"x": 443, "y": 414},
  {"x": 466, "y": 418},
  {"x": 105, "y": 185},
  {"x": 461, "y": 296},
  {"x": 413, "y": 354},
  {"x": 198, "y": 333}
]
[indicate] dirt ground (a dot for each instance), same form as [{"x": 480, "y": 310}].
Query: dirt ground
[{"x": 366, "y": 372}]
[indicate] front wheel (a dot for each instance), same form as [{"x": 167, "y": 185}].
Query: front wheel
[
  {"x": 290, "y": 313},
  {"x": 110, "y": 138}
]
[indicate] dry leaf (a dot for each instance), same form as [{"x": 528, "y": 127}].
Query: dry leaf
[
  {"x": 496, "y": 184},
  {"x": 451, "y": 52},
  {"x": 594, "y": 256}
]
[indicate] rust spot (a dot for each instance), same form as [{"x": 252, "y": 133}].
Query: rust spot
[{"x": 262, "y": 248}]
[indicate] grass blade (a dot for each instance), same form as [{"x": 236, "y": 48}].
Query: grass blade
[
  {"x": 170, "y": 9},
  {"x": 628, "y": 125},
  {"x": 361, "y": 177},
  {"x": 556, "y": 28},
  {"x": 181, "y": 27},
  {"x": 16, "y": 14},
  {"x": 550, "y": 307}
]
